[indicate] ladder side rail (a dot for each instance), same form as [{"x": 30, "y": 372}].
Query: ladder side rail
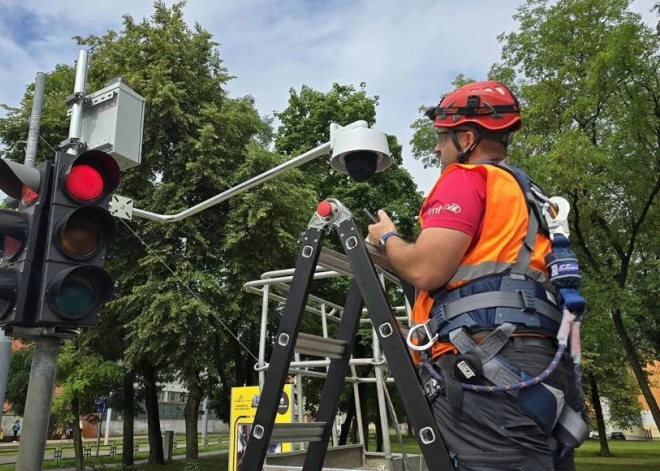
[
  {"x": 401, "y": 365},
  {"x": 283, "y": 348}
]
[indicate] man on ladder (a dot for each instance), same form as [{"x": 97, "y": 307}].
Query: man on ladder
[{"x": 491, "y": 320}]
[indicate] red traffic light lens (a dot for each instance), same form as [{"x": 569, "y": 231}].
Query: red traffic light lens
[
  {"x": 28, "y": 195},
  {"x": 85, "y": 183},
  {"x": 11, "y": 247},
  {"x": 80, "y": 237}
]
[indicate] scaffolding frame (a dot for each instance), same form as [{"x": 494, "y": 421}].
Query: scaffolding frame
[{"x": 331, "y": 265}]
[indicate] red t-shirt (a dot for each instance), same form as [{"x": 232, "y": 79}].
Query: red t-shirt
[{"x": 458, "y": 202}]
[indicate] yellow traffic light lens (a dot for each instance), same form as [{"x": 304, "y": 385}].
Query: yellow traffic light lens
[
  {"x": 75, "y": 296},
  {"x": 80, "y": 237}
]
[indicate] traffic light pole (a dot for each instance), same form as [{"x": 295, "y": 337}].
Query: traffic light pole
[
  {"x": 44, "y": 363},
  {"x": 30, "y": 155}
]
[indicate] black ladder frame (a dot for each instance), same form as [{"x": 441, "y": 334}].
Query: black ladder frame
[{"x": 365, "y": 288}]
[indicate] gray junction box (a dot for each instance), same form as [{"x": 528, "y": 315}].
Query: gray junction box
[{"x": 113, "y": 122}]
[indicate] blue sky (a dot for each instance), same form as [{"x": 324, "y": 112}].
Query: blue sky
[{"x": 408, "y": 51}]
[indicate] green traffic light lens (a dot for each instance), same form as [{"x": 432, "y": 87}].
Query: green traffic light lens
[{"x": 75, "y": 296}]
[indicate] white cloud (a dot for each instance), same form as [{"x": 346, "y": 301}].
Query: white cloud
[{"x": 407, "y": 52}]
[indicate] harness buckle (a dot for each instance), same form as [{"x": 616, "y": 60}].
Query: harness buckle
[
  {"x": 428, "y": 335},
  {"x": 529, "y": 305}
]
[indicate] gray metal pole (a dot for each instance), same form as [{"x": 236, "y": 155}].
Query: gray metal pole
[
  {"x": 324, "y": 326},
  {"x": 30, "y": 155},
  {"x": 262, "y": 338},
  {"x": 205, "y": 421},
  {"x": 106, "y": 437},
  {"x": 35, "y": 119},
  {"x": 5, "y": 356},
  {"x": 37, "y": 404},
  {"x": 380, "y": 386},
  {"x": 44, "y": 363},
  {"x": 240, "y": 188}
]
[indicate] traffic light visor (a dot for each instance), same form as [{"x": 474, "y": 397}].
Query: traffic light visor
[{"x": 14, "y": 175}]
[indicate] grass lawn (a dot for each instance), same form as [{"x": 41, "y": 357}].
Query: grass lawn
[
  {"x": 50, "y": 463},
  {"x": 626, "y": 456}
]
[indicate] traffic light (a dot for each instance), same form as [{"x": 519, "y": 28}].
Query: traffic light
[
  {"x": 22, "y": 237},
  {"x": 74, "y": 284}
]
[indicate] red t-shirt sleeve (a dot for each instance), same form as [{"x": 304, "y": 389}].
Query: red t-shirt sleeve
[{"x": 458, "y": 202}]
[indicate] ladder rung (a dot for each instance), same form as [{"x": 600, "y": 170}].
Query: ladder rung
[
  {"x": 320, "y": 346},
  {"x": 305, "y": 432}
]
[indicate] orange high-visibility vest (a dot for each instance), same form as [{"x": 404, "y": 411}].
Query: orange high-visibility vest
[{"x": 503, "y": 232}]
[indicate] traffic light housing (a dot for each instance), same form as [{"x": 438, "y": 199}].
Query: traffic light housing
[
  {"x": 74, "y": 284},
  {"x": 22, "y": 239}
]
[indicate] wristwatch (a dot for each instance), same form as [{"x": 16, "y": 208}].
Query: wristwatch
[{"x": 383, "y": 239}]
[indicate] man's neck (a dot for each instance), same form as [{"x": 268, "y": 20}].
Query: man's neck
[{"x": 481, "y": 158}]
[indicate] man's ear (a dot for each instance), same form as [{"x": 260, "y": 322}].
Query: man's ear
[{"x": 470, "y": 137}]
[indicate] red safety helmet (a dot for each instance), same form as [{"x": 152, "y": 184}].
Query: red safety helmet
[{"x": 488, "y": 104}]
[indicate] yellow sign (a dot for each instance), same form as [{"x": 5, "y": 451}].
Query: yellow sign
[{"x": 244, "y": 402}]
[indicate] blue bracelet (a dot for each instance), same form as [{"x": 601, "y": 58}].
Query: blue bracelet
[{"x": 387, "y": 235}]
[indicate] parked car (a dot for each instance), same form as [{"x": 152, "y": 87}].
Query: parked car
[
  {"x": 617, "y": 436},
  {"x": 594, "y": 434}
]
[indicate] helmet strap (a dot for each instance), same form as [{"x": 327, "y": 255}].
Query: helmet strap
[{"x": 464, "y": 155}]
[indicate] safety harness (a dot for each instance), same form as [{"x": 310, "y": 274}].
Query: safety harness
[{"x": 508, "y": 302}]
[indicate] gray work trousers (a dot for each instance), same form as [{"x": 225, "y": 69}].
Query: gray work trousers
[{"x": 492, "y": 432}]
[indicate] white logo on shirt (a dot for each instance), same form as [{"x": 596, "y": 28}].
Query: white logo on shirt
[{"x": 453, "y": 207}]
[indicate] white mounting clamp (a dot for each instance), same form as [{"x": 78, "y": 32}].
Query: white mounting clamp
[{"x": 121, "y": 207}]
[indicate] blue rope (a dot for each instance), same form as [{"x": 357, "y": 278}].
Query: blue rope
[{"x": 505, "y": 387}]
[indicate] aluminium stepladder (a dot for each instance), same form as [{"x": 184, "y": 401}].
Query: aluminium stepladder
[{"x": 365, "y": 289}]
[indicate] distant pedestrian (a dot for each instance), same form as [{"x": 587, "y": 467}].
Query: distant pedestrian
[{"x": 16, "y": 428}]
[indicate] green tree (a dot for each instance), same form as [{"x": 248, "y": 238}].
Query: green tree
[
  {"x": 83, "y": 376},
  {"x": 18, "y": 378}
]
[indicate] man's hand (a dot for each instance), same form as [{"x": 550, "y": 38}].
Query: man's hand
[{"x": 379, "y": 229}]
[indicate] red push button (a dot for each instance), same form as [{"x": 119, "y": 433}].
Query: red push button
[{"x": 324, "y": 209}]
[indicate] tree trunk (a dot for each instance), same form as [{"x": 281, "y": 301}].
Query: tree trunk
[
  {"x": 350, "y": 414},
  {"x": 636, "y": 366},
  {"x": 153, "y": 417},
  {"x": 600, "y": 419},
  {"x": 128, "y": 403},
  {"x": 191, "y": 413},
  {"x": 77, "y": 436}
]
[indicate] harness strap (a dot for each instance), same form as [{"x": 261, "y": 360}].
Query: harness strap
[
  {"x": 571, "y": 430},
  {"x": 454, "y": 387},
  {"x": 525, "y": 255},
  {"x": 493, "y": 299},
  {"x": 486, "y": 351}
]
